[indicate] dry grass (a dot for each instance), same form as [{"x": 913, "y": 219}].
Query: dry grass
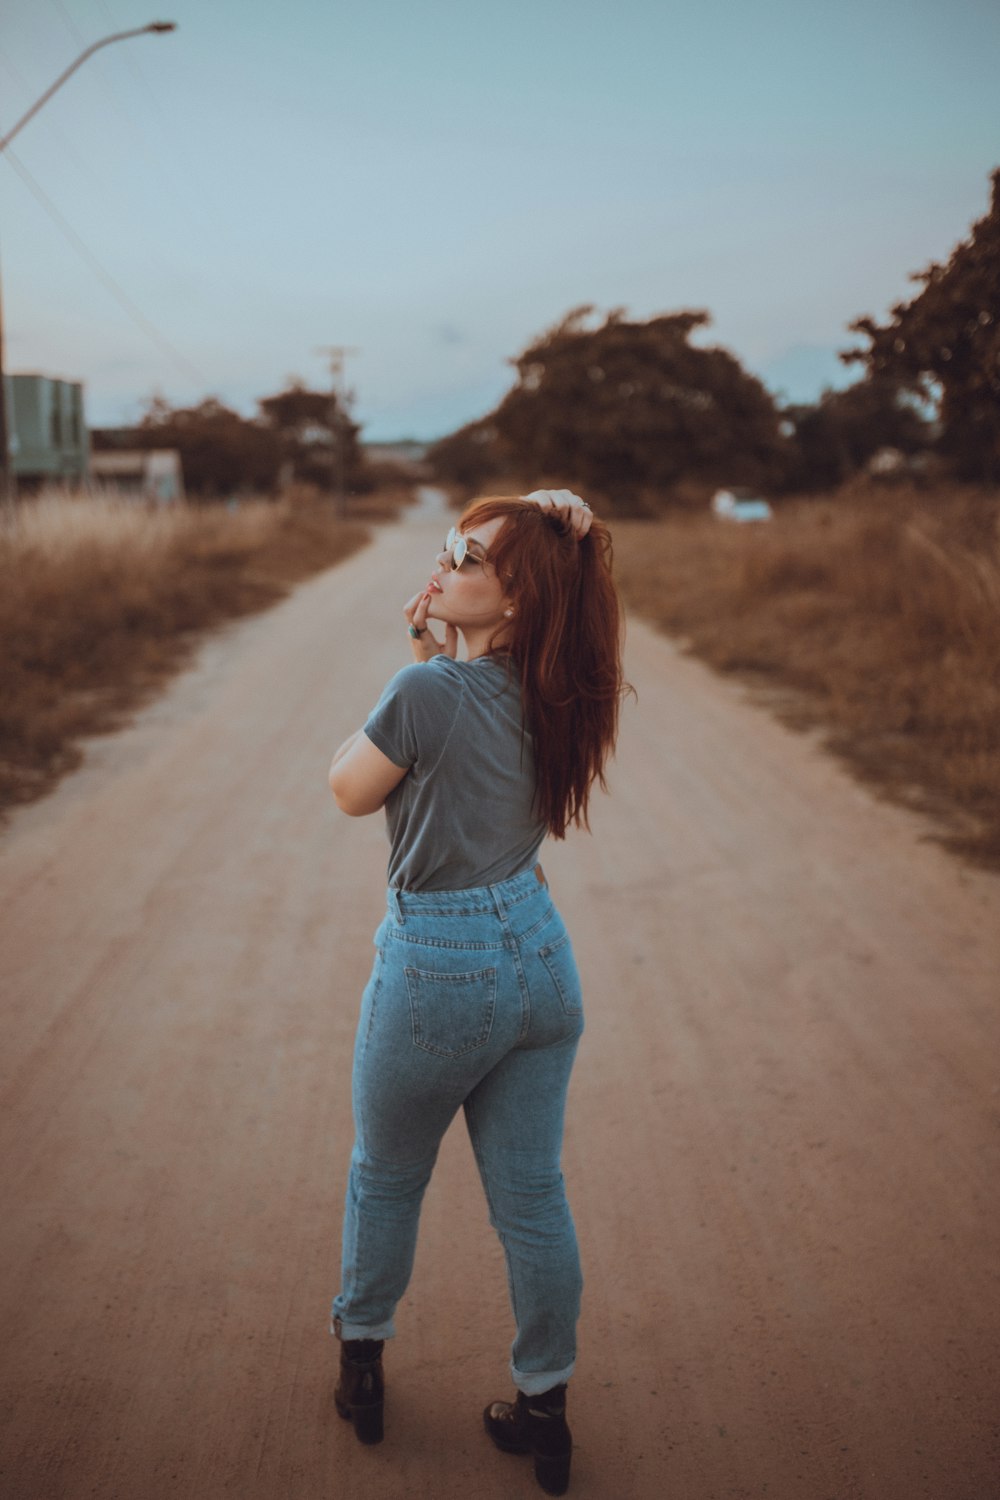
[
  {"x": 873, "y": 615},
  {"x": 391, "y": 494},
  {"x": 100, "y": 599}
]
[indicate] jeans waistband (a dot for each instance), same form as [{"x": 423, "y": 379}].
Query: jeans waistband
[{"x": 496, "y": 898}]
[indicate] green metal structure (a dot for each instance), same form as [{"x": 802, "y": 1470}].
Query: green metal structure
[{"x": 48, "y": 434}]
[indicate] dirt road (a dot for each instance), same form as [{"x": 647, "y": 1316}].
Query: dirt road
[{"x": 784, "y": 1133}]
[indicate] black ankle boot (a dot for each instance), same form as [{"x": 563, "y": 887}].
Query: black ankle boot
[
  {"x": 360, "y": 1390},
  {"x": 535, "y": 1425}
]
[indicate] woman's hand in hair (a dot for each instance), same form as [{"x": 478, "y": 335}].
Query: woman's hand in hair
[
  {"x": 569, "y": 507},
  {"x": 424, "y": 643}
]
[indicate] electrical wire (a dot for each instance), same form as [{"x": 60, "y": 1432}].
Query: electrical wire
[
  {"x": 13, "y": 70},
  {"x": 67, "y": 148},
  {"x": 138, "y": 317},
  {"x": 69, "y": 23},
  {"x": 161, "y": 153},
  {"x": 180, "y": 167}
]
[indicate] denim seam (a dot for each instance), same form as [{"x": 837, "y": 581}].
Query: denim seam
[
  {"x": 466, "y": 978},
  {"x": 450, "y": 911},
  {"x": 569, "y": 1005},
  {"x": 525, "y": 997},
  {"x": 511, "y": 901},
  {"x": 470, "y": 1121},
  {"x": 529, "y": 932},
  {"x": 460, "y": 944},
  {"x": 420, "y": 903},
  {"x": 474, "y": 944},
  {"x": 380, "y": 960}
]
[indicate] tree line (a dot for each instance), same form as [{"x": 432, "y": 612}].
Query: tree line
[
  {"x": 637, "y": 412},
  {"x": 297, "y": 436}
]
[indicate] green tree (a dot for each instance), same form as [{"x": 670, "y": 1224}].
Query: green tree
[
  {"x": 630, "y": 409},
  {"x": 221, "y": 452},
  {"x": 296, "y": 435},
  {"x": 835, "y": 437},
  {"x": 944, "y": 345},
  {"x": 471, "y": 456},
  {"x": 316, "y": 435}
]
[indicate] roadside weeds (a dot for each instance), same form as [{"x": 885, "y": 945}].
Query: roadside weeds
[
  {"x": 102, "y": 599},
  {"x": 872, "y": 616}
]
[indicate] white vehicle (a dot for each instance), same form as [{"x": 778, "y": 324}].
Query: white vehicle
[{"x": 728, "y": 508}]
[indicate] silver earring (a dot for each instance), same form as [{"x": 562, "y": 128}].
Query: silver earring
[{"x": 508, "y": 613}]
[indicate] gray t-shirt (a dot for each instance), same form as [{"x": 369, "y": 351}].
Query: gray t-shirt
[{"x": 462, "y": 816}]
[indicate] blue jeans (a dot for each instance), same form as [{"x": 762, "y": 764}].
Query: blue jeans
[{"x": 473, "y": 1003}]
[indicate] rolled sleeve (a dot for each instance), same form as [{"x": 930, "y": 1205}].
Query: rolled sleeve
[{"x": 414, "y": 716}]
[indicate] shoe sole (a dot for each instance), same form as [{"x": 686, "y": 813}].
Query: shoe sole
[
  {"x": 551, "y": 1471},
  {"x": 367, "y": 1420}
]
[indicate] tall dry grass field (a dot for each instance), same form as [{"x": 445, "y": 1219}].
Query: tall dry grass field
[
  {"x": 101, "y": 598},
  {"x": 873, "y": 615}
]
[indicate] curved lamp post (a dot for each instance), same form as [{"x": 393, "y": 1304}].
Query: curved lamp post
[{"x": 119, "y": 36}]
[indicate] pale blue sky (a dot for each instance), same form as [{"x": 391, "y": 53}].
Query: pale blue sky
[{"x": 436, "y": 183}]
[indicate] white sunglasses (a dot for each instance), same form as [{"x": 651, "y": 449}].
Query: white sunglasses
[{"x": 457, "y": 549}]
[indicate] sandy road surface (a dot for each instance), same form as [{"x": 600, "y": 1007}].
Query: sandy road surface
[{"x": 785, "y": 1124}]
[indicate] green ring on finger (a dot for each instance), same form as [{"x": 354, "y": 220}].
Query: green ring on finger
[{"x": 416, "y": 632}]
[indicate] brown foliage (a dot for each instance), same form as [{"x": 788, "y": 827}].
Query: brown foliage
[
  {"x": 945, "y": 344},
  {"x": 100, "y": 600},
  {"x": 300, "y": 436},
  {"x": 872, "y": 615},
  {"x": 627, "y": 410},
  {"x": 838, "y": 435}
]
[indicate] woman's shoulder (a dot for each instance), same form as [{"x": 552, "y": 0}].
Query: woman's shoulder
[
  {"x": 436, "y": 681},
  {"x": 443, "y": 678}
]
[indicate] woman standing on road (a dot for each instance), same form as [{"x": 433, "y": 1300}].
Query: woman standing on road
[{"x": 474, "y": 998}]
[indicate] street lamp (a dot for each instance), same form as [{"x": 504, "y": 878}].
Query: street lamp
[{"x": 119, "y": 36}]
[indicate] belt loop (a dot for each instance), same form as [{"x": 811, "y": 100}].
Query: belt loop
[
  {"x": 396, "y": 906},
  {"x": 494, "y": 891}
]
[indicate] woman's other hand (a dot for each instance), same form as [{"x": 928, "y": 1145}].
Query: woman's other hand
[
  {"x": 569, "y": 507},
  {"x": 424, "y": 643}
]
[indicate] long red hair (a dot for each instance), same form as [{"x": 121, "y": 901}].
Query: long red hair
[{"x": 565, "y": 643}]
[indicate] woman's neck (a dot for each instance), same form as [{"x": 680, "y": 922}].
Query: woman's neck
[{"x": 483, "y": 642}]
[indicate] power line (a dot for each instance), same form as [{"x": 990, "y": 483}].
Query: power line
[
  {"x": 68, "y": 22},
  {"x": 13, "y": 70},
  {"x": 108, "y": 71},
  {"x": 138, "y": 317},
  {"x": 166, "y": 164}
]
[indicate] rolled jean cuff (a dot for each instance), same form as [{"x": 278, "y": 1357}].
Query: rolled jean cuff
[
  {"x": 344, "y": 1330},
  {"x": 534, "y": 1382}
]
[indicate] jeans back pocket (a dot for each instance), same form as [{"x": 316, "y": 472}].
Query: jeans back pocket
[
  {"x": 558, "y": 959},
  {"x": 451, "y": 1013}
]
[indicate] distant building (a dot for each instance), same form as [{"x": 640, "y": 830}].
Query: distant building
[
  {"x": 140, "y": 473},
  {"x": 47, "y": 435}
]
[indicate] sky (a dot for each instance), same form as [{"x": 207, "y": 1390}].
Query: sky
[{"x": 434, "y": 184}]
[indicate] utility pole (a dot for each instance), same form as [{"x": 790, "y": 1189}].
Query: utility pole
[{"x": 337, "y": 354}]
